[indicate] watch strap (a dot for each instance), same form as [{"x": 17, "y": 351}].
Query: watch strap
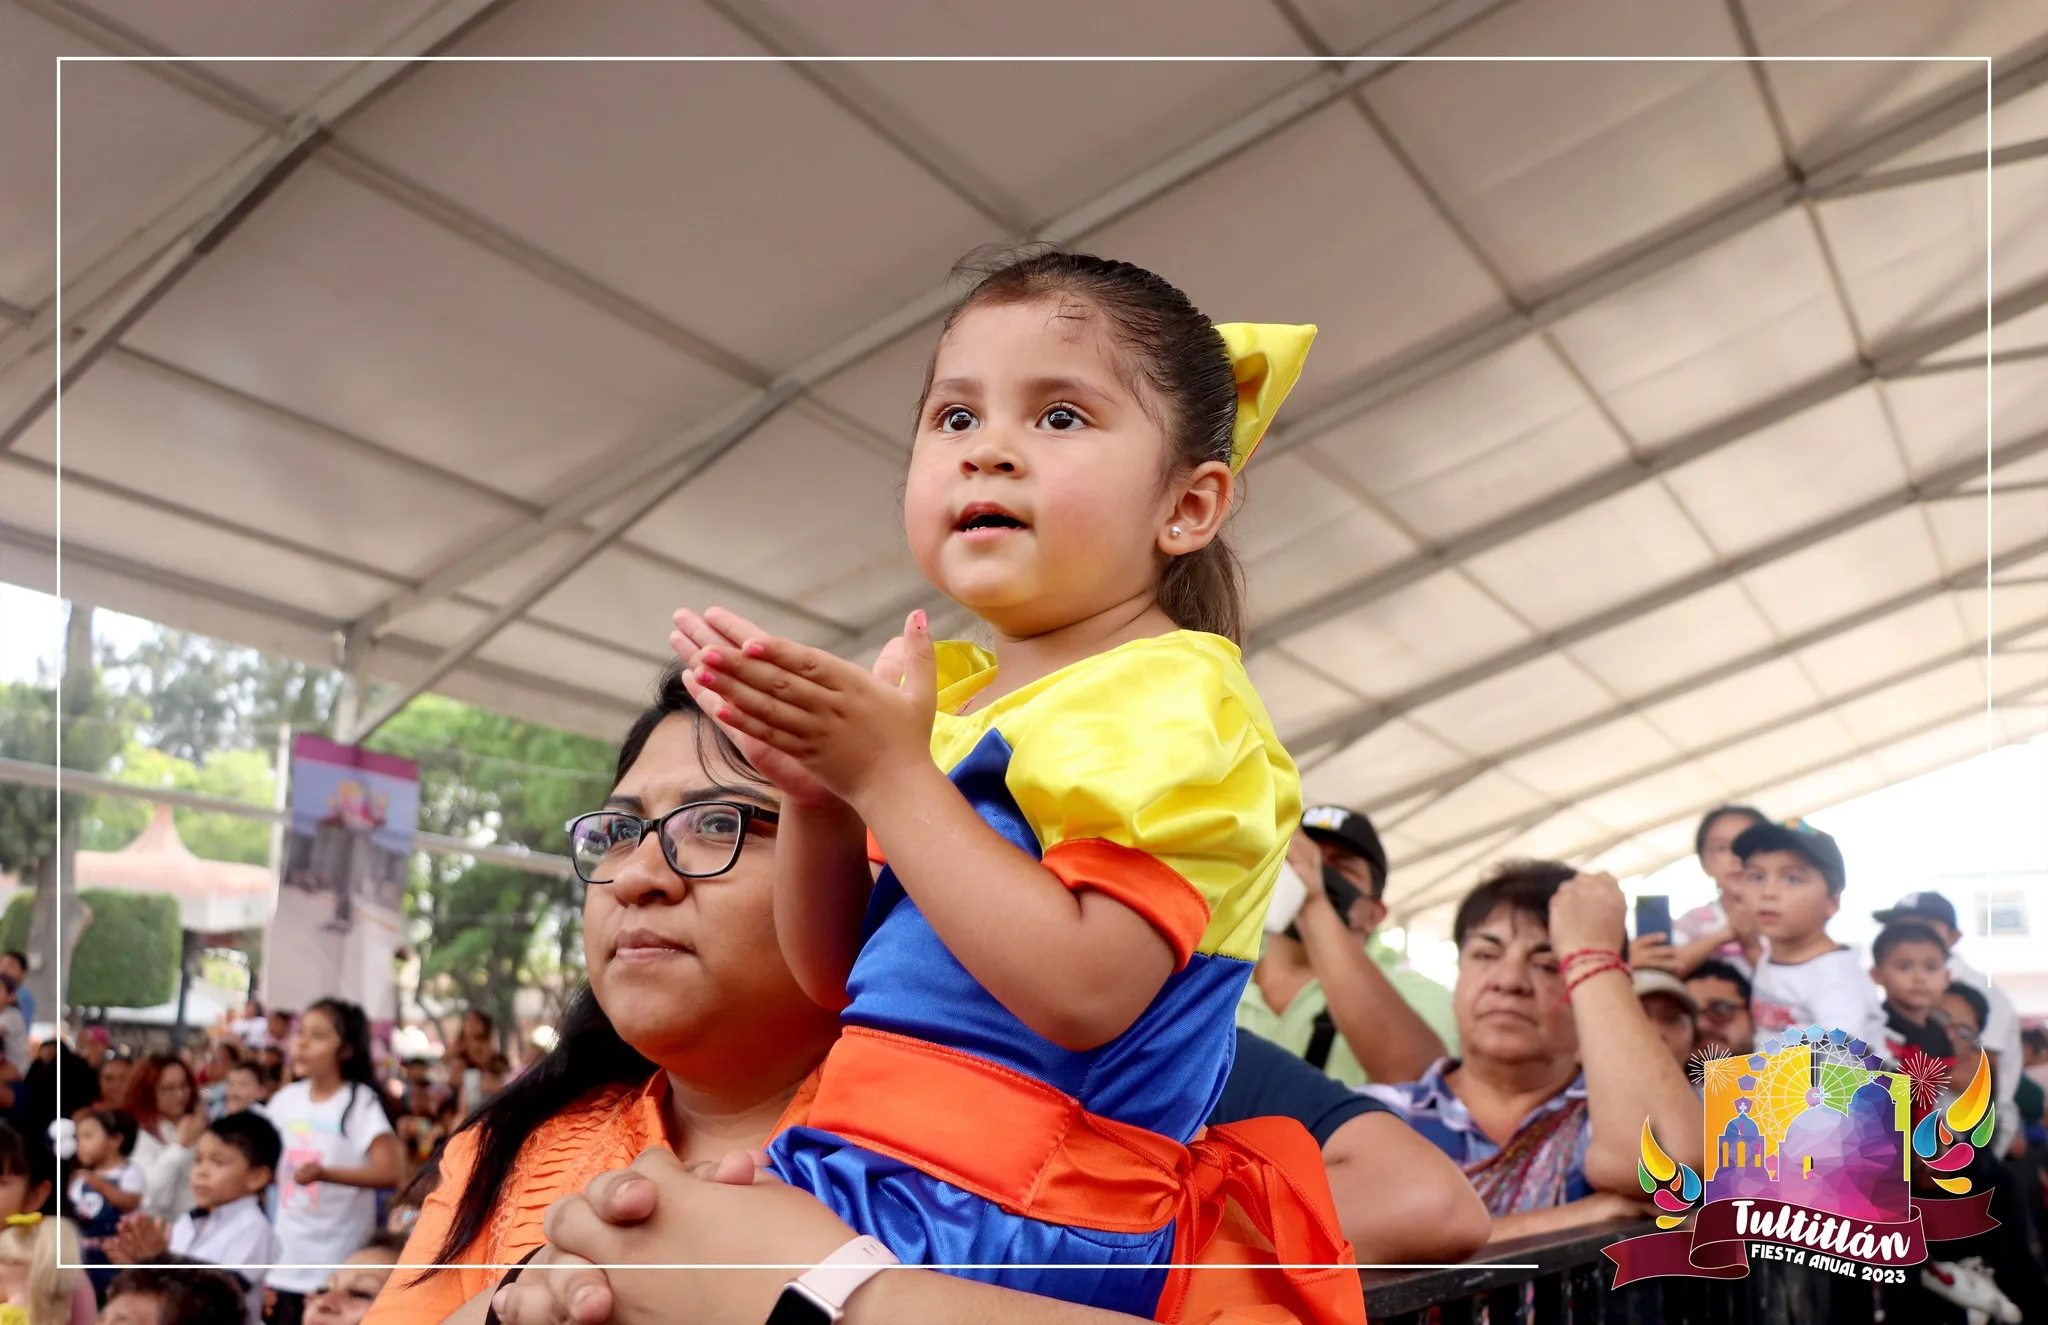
[{"x": 833, "y": 1280}]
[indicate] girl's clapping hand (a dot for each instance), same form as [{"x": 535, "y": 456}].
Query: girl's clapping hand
[
  {"x": 843, "y": 725},
  {"x": 692, "y": 636}
]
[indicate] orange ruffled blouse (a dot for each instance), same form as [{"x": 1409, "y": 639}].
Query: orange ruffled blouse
[{"x": 607, "y": 1129}]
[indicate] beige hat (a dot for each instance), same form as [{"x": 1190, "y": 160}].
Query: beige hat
[{"x": 1653, "y": 980}]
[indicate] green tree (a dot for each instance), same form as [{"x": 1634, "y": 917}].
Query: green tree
[
  {"x": 112, "y": 822},
  {"x": 34, "y": 844},
  {"x": 126, "y": 958},
  {"x": 197, "y": 695},
  {"x": 485, "y": 930}
]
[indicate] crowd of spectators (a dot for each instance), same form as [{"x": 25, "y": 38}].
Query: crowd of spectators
[
  {"x": 1506, "y": 1106},
  {"x": 193, "y": 1186}
]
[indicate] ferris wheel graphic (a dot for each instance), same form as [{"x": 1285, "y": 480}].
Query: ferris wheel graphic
[{"x": 1784, "y": 1085}]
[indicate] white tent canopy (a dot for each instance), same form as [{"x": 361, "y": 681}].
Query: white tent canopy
[{"x": 1640, "y": 465}]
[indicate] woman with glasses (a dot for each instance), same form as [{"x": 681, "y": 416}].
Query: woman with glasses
[
  {"x": 691, "y": 1034},
  {"x": 693, "y": 1038}
]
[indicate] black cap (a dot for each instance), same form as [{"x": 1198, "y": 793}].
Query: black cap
[
  {"x": 1800, "y": 838},
  {"x": 1920, "y": 906},
  {"x": 1351, "y": 831}
]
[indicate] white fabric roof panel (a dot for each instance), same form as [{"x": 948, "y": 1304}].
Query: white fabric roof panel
[{"x": 1631, "y": 472}]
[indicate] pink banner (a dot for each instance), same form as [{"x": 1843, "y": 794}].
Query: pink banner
[{"x": 1717, "y": 1245}]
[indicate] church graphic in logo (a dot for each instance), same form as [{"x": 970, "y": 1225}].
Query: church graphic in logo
[{"x": 1812, "y": 1146}]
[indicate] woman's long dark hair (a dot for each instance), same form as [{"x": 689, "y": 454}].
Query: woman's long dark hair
[
  {"x": 357, "y": 1062},
  {"x": 588, "y": 1053}
]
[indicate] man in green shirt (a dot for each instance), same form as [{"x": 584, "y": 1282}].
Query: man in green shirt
[{"x": 1320, "y": 992}]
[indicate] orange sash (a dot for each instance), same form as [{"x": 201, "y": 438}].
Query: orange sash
[{"x": 1250, "y": 1196}]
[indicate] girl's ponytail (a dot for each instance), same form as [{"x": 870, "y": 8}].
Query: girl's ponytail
[{"x": 1204, "y": 590}]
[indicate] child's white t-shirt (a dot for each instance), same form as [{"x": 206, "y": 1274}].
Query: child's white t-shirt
[
  {"x": 323, "y": 1223},
  {"x": 238, "y": 1238},
  {"x": 1831, "y": 991}
]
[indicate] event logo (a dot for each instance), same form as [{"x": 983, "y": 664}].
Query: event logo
[{"x": 1811, "y": 1151}]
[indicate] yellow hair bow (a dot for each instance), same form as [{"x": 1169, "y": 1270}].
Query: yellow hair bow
[{"x": 1267, "y": 359}]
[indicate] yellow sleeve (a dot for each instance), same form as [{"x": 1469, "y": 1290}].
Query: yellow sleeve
[{"x": 1154, "y": 776}]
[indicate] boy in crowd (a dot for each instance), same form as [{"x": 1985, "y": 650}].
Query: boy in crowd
[
  {"x": 1796, "y": 876},
  {"x": 1723, "y": 994},
  {"x": 250, "y": 1084},
  {"x": 1910, "y": 963},
  {"x": 2000, "y": 1025},
  {"x": 234, "y": 1163}
]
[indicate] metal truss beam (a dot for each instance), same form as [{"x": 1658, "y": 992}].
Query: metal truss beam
[
  {"x": 22, "y": 773},
  {"x": 1965, "y": 163},
  {"x": 1636, "y": 471},
  {"x": 1347, "y": 728},
  {"x": 320, "y": 556},
  {"x": 296, "y": 632},
  {"x": 651, "y": 478},
  {"x": 1969, "y": 577},
  {"x": 1975, "y": 649},
  {"x": 2028, "y": 71},
  {"x": 112, "y": 295},
  {"x": 1432, "y": 893}
]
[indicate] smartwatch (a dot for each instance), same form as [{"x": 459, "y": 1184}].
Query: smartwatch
[{"x": 819, "y": 1296}]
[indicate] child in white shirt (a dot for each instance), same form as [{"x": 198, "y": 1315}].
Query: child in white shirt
[
  {"x": 233, "y": 1165},
  {"x": 1796, "y": 876}
]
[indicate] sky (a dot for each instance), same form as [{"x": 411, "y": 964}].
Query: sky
[{"x": 32, "y": 632}]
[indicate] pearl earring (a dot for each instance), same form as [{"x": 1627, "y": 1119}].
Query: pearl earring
[{"x": 1175, "y": 531}]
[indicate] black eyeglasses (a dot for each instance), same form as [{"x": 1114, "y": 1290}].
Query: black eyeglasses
[{"x": 698, "y": 840}]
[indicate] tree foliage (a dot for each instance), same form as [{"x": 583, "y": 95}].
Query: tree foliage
[
  {"x": 28, "y": 732},
  {"x": 127, "y": 957},
  {"x": 241, "y": 775},
  {"x": 195, "y": 695},
  {"x": 183, "y": 711},
  {"x": 484, "y": 930}
]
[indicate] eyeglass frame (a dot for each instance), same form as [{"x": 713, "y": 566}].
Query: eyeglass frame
[{"x": 749, "y": 816}]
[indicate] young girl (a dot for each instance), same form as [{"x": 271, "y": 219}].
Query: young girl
[
  {"x": 106, "y": 1183},
  {"x": 39, "y": 1275},
  {"x": 29, "y": 1201},
  {"x": 338, "y": 1150},
  {"x": 1039, "y": 986}
]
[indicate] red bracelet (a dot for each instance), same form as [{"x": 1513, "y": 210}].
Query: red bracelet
[
  {"x": 1576, "y": 953},
  {"x": 1614, "y": 965}
]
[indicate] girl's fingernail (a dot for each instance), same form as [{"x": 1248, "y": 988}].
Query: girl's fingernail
[
  {"x": 584, "y": 1297},
  {"x": 755, "y": 648},
  {"x": 724, "y": 714},
  {"x": 917, "y": 619},
  {"x": 709, "y": 658}
]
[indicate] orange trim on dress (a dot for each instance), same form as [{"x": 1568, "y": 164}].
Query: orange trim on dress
[
  {"x": 606, "y": 1129},
  {"x": 876, "y": 856},
  {"x": 1252, "y": 1196},
  {"x": 1175, "y": 907}
]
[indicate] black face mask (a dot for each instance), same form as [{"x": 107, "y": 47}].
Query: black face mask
[{"x": 1343, "y": 893}]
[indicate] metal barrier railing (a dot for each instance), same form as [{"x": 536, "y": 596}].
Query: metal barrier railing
[{"x": 1569, "y": 1284}]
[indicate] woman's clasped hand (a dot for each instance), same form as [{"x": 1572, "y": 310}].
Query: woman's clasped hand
[{"x": 652, "y": 1216}]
